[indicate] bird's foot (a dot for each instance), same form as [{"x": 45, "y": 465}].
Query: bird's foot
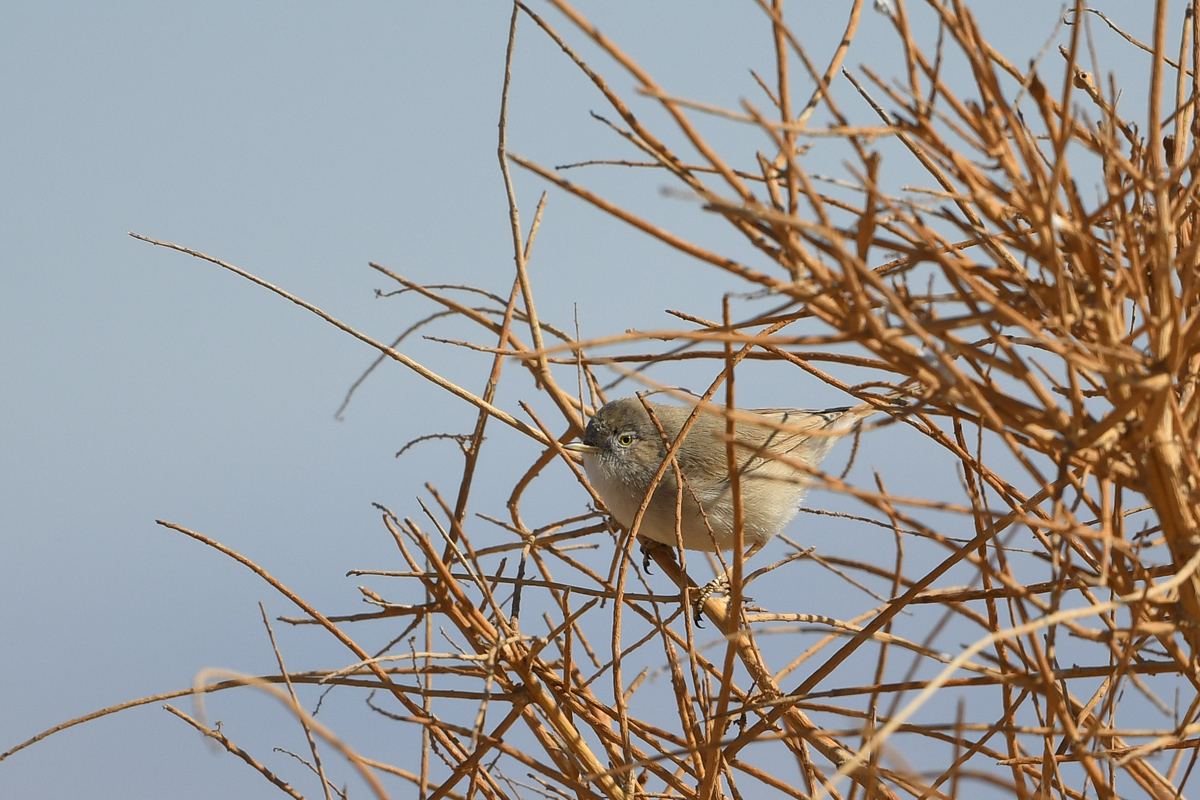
[
  {"x": 718, "y": 585},
  {"x": 648, "y": 546}
]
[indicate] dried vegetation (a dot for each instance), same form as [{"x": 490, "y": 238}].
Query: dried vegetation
[{"x": 1035, "y": 297}]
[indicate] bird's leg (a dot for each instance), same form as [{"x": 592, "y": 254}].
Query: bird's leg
[
  {"x": 647, "y": 547},
  {"x": 717, "y": 584},
  {"x": 720, "y": 583}
]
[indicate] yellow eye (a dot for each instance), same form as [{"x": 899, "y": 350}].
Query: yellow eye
[{"x": 625, "y": 439}]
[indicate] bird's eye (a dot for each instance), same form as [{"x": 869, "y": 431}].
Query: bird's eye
[{"x": 625, "y": 439}]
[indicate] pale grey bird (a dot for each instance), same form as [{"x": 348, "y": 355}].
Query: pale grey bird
[{"x": 622, "y": 449}]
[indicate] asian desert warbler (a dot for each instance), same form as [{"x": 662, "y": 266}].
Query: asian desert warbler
[{"x": 622, "y": 449}]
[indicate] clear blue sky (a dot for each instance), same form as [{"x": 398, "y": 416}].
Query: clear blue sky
[{"x": 298, "y": 141}]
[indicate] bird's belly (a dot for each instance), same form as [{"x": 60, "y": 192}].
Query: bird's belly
[{"x": 671, "y": 518}]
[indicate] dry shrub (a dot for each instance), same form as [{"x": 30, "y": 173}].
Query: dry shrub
[{"x": 1046, "y": 342}]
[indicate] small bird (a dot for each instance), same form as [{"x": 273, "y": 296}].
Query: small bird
[{"x": 622, "y": 449}]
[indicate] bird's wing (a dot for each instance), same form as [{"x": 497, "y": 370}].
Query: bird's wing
[{"x": 805, "y": 434}]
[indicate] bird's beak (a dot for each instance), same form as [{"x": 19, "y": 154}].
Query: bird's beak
[{"x": 580, "y": 447}]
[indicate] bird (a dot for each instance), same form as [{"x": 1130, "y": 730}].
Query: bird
[{"x": 622, "y": 449}]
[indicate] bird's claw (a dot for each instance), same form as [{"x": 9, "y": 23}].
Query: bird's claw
[{"x": 717, "y": 584}]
